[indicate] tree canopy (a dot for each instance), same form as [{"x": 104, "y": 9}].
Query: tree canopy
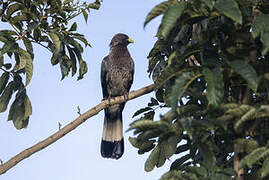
[{"x": 210, "y": 66}]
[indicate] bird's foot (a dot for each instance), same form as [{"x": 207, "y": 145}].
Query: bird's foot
[
  {"x": 109, "y": 100},
  {"x": 126, "y": 96}
]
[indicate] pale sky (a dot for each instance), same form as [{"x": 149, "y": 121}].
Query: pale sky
[{"x": 77, "y": 155}]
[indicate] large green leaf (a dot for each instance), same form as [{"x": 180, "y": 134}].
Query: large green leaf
[
  {"x": 21, "y": 62},
  {"x": 206, "y": 149},
  {"x": 170, "y": 18},
  {"x": 142, "y": 110},
  {"x": 156, "y": 11},
  {"x": 13, "y": 8},
  {"x": 252, "y": 158},
  {"x": 26, "y": 62},
  {"x": 265, "y": 168},
  {"x": 152, "y": 159},
  {"x": 247, "y": 72},
  {"x": 178, "y": 162},
  {"x": 265, "y": 42},
  {"x": 157, "y": 157},
  {"x": 56, "y": 41},
  {"x": 5, "y": 97},
  {"x": 3, "y": 81},
  {"x": 249, "y": 115},
  {"x": 73, "y": 27},
  {"x": 171, "y": 146},
  {"x": 230, "y": 9},
  {"x": 20, "y": 111},
  {"x": 29, "y": 47},
  {"x": 260, "y": 24},
  {"x": 182, "y": 83},
  {"x": 260, "y": 27},
  {"x": 215, "y": 86},
  {"x": 83, "y": 68}
]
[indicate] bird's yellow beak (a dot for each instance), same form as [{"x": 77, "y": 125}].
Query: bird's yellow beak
[{"x": 130, "y": 40}]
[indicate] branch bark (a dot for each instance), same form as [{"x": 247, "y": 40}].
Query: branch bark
[{"x": 71, "y": 126}]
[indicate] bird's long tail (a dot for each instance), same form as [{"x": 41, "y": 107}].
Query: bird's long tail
[{"x": 112, "y": 145}]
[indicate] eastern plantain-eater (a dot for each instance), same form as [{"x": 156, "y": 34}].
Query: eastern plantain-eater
[{"x": 117, "y": 70}]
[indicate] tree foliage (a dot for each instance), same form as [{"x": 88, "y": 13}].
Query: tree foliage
[
  {"x": 210, "y": 67},
  {"x": 46, "y": 23}
]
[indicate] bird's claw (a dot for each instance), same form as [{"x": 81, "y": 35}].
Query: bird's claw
[{"x": 126, "y": 96}]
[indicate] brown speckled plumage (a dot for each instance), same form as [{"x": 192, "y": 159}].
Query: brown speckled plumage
[{"x": 117, "y": 72}]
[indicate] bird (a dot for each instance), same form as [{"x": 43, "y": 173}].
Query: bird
[{"x": 117, "y": 72}]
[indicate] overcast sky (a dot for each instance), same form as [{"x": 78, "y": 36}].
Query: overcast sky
[{"x": 77, "y": 155}]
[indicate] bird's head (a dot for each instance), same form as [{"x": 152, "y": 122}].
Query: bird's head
[{"x": 120, "y": 39}]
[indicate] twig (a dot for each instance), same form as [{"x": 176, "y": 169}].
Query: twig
[{"x": 71, "y": 126}]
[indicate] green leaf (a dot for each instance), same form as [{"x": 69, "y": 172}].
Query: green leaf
[
  {"x": 209, "y": 3},
  {"x": 207, "y": 152},
  {"x": 156, "y": 158},
  {"x": 85, "y": 15},
  {"x": 12, "y": 9},
  {"x": 156, "y": 11},
  {"x": 182, "y": 148},
  {"x": 265, "y": 42},
  {"x": 5, "y": 97},
  {"x": 3, "y": 81},
  {"x": 56, "y": 41},
  {"x": 173, "y": 175},
  {"x": 260, "y": 27},
  {"x": 25, "y": 56},
  {"x": 83, "y": 68},
  {"x": 96, "y": 5},
  {"x": 153, "y": 102},
  {"x": 215, "y": 86},
  {"x": 82, "y": 39},
  {"x": 182, "y": 83},
  {"x": 146, "y": 147},
  {"x": 170, "y": 18},
  {"x": 28, "y": 107},
  {"x": 65, "y": 65},
  {"x": 28, "y": 46},
  {"x": 152, "y": 159},
  {"x": 178, "y": 162},
  {"x": 67, "y": 1},
  {"x": 73, "y": 27},
  {"x": 143, "y": 125},
  {"x": 19, "y": 112},
  {"x": 142, "y": 110},
  {"x": 265, "y": 168},
  {"x": 260, "y": 24},
  {"x": 230, "y": 9},
  {"x": 18, "y": 18},
  {"x": 7, "y": 47},
  {"x": 171, "y": 146},
  {"x": 247, "y": 72},
  {"x": 249, "y": 115},
  {"x": 252, "y": 158}
]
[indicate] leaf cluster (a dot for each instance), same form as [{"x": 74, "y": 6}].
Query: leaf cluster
[
  {"x": 46, "y": 23},
  {"x": 210, "y": 67}
]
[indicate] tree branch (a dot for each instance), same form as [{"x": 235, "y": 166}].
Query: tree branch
[{"x": 71, "y": 126}]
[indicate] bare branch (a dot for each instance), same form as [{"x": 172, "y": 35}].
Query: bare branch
[{"x": 71, "y": 126}]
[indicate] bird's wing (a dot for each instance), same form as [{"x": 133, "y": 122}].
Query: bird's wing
[
  {"x": 131, "y": 77},
  {"x": 103, "y": 76}
]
